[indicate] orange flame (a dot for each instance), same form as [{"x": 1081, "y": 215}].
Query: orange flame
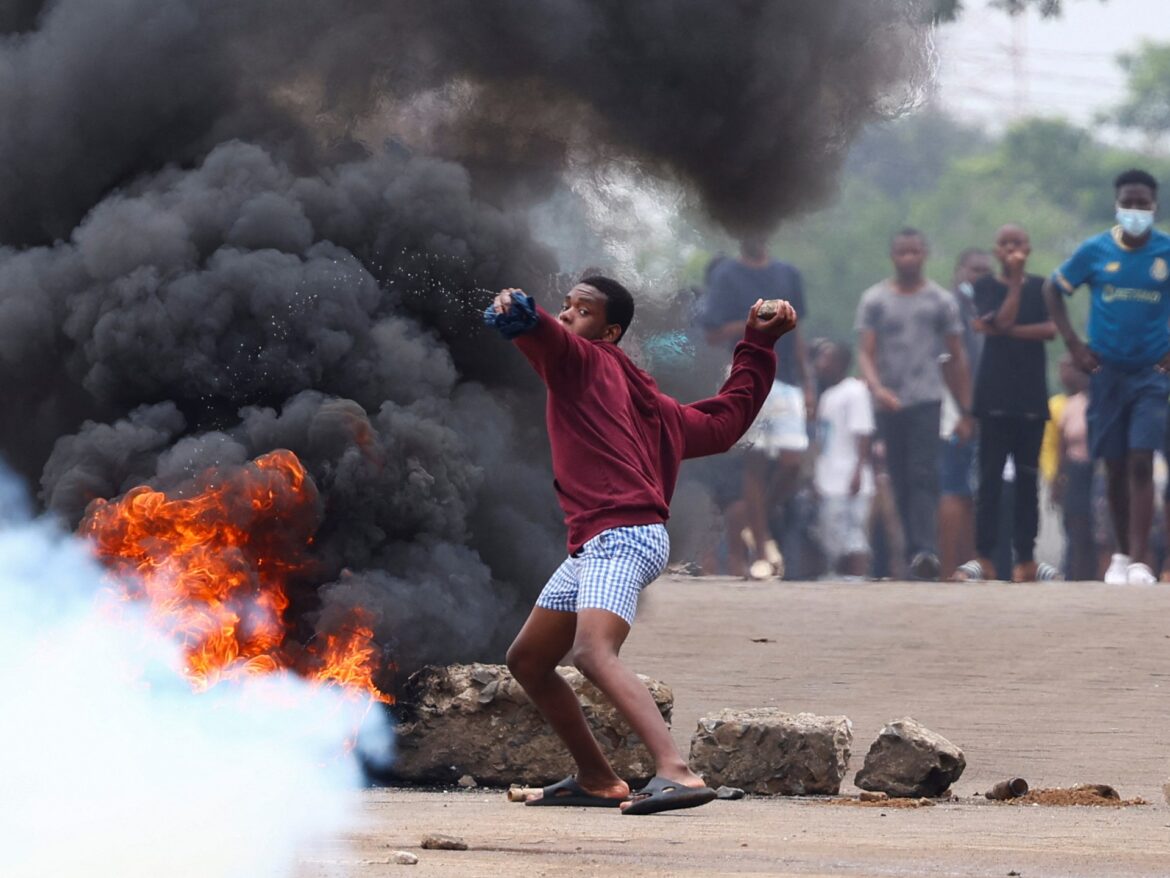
[{"x": 212, "y": 570}]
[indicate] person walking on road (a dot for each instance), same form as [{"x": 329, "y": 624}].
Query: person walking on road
[
  {"x": 1127, "y": 357},
  {"x": 903, "y": 322}
]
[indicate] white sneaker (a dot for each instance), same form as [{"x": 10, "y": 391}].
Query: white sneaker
[
  {"x": 761, "y": 569},
  {"x": 1118, "y": 572},
  {"x": 1140, "y": 574}
]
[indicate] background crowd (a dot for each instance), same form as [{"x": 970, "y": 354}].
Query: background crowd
[{"x": 927, "y": 444}]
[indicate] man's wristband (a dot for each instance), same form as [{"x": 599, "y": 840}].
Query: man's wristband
[{"x": 514, "y": 323}]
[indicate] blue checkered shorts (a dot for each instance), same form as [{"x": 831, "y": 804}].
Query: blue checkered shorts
[{"x": 609, "y": 572}]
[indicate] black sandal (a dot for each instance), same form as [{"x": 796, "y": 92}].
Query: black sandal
[
  {"x": 570, "y": 794},
  {"x": 663, "y": 794}
]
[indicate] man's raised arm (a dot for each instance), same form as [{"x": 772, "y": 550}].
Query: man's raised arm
[
  {"x": 712, "y": 426},
  {"x": 549, "y": 347}
]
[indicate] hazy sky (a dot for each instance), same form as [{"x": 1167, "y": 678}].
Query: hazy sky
[{"x": 1066, "y": 66}]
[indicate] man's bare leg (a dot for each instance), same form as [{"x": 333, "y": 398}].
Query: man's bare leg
[
  {"x": 758, "y": 476},
  {"x": 600, "y": 635},
  {"x": 856, "y": 564},
  {"x": 768, "y": 484},
  {"x": 787, "y": 478},
  {"x": 546, "y": 638},
  {"x": 1117, "y": 492},
  {"x": 735, "y": 521},
  {"x": 956, "y": 532},
  {"x": 1141, "y": 503}
]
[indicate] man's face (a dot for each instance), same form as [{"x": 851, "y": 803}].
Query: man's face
[
  {"x": 1009, "y": 240},
  {"x": 1136, "y": 196},
  {"x": 828, "y": 365},
  {"x": 973, "y": 268},
  {"x": 754, "y": 248},
  {"x": 583, "y": 314},
  {"x": 908, "y": 253}
]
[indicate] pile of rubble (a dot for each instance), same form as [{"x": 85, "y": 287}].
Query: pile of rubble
[{"x": 473, "y": 724}]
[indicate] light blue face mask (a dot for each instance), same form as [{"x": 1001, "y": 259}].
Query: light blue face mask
[{"x": 1135, "y": 222}]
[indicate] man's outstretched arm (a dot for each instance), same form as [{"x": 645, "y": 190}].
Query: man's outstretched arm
[{"x": 549, "y": 347}]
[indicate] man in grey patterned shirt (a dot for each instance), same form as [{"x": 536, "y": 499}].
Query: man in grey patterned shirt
[{"x": 903, "y": 322}]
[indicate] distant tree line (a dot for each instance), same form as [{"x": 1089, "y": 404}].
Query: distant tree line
[
  {"x": 959, "y": 182},
  {"x": 949, "y": 10}
]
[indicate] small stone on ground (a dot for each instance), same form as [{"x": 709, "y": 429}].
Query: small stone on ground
[
  {"x": 443, "y": 843},
  {"x": 729, "y": 793},
  {"x": 404, "y": 858}
]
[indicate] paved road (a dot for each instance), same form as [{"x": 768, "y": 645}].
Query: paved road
[{"x": 1061, "y": 683}]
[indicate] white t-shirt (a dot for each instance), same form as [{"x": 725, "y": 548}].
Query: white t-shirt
[{"x": 844, "y": 413}]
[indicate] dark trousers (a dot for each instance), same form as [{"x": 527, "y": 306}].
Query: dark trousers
[
  {"x": 1080, "y": 551},
  {"x": 911, "y": 439},
  {"x": 1021, "y": 438}
]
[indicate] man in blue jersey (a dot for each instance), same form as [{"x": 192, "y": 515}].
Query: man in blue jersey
[{"x": 1127, "y": 270}]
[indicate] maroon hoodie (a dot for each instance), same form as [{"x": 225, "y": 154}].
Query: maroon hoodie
[{"x": 617, "y": 440}]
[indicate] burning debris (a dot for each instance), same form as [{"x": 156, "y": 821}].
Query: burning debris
[
  {"x": 265, "y": 231},
  {"x": 213, "y": 569},
  {"x": 113, "y": 766}
]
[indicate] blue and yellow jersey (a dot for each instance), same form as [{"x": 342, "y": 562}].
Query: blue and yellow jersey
[{"x": 1129, "y": 309}]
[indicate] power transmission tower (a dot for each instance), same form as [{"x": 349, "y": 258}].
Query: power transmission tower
[{"x": 1018, "y": 52}]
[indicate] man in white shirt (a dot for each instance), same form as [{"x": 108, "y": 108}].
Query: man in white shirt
[{"x": 844, "y": 474}]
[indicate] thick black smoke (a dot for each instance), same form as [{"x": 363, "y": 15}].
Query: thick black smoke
[
  {"x": 221, "y": 290},
  {"x": 753, "y": 103},
  {"x": 17, "y": 16},
  {"x": 231, "y": 227}
]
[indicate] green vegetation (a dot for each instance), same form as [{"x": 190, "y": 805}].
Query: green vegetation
[
  {"x": 1146, "y": 107},
  {"x": 949, "y": 10},
  {"x": 958, "y": 184}
]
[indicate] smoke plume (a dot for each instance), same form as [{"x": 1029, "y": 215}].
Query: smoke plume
[{"x": 227, "y": 228}]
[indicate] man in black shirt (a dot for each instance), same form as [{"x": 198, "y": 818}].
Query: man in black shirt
[{"x": 1011, "y": 402}]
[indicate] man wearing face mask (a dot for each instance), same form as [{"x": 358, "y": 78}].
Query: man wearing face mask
[{"x": 1127, "y": 357}]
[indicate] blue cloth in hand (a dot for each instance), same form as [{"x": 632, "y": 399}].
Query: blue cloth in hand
[{"x": 515, "y": 322}]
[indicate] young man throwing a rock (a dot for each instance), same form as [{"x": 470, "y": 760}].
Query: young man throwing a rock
[{"x": 617, "y": 443}]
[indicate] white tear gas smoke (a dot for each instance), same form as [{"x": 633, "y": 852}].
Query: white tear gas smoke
[
  {"x": 226, "y": 228},
  {"x": 114, "y": 768}
]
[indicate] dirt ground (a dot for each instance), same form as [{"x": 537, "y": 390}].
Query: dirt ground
[{"x": 1060, "y": 684}]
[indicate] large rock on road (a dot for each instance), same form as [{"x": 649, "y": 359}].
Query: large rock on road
[
  {"x": 771, "y": 753},
  {"x": 908, "y": 760},
  {"x": 476, "y": 720}
]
